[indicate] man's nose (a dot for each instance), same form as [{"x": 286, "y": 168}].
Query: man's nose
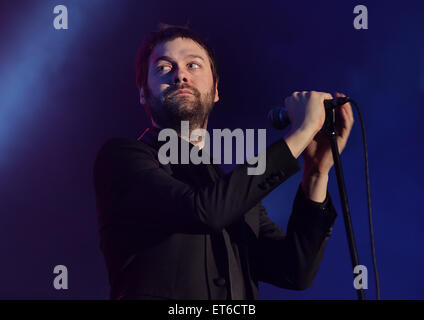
[{"x": 180, "y": 76}]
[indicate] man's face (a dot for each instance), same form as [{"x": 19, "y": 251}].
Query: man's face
[{"x": 180, "y": 84}]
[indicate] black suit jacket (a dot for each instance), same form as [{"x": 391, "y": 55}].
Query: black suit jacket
[{"x": 192, "y": 232}]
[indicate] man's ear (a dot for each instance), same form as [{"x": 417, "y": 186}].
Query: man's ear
[
  {"x": 216, "y": 99},
  {"x": 142, "y": 97}
]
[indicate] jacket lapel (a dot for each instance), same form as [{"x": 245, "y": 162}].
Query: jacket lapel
[{"x": 198, "y": 175}]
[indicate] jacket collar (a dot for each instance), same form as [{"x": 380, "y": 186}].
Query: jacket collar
[{"x": 151, "y": 134}]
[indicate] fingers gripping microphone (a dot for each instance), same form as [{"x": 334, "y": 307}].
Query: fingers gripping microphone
[
  {"x": 279, "y": 118},
  {"x": 336, "y": 102}
]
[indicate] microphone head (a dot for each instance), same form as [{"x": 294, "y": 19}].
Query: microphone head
[{"x": 278, "y": 118}]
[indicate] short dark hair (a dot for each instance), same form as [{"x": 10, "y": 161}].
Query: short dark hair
[{"x": 168, "y": 32}]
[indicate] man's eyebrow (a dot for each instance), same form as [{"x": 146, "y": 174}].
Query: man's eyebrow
[
  {"x": 195, "y": 56},
  {"x": 167, "y": 58}
]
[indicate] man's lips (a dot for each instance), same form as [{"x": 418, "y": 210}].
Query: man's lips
[{"x": 182, "y": 91}]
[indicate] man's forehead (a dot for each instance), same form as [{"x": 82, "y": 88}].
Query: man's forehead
[{"x": 178, "y": 48}]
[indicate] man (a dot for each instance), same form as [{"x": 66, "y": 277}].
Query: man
[{"x": 186, "y": 231}]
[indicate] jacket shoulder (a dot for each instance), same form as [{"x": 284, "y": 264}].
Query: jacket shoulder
[
  {"x": 119, "y": 142},
  {"x": 120, "y": 151},
  {"x": 114, "y": 145}
]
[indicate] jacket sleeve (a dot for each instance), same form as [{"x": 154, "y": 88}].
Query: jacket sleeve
[
  {"x": 131, "y": 184},
  {"x": 292, "y": 260}
]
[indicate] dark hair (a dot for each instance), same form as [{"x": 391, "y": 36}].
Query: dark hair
[{"x": 167, "y": 33}]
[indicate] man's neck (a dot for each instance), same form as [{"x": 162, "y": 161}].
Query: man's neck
[{"x": 200, "y": 142}]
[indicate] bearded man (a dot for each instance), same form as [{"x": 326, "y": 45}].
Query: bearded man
[{"x": 191, "y": 231}]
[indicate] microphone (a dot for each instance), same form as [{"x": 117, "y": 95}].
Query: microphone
[{"x": 279, "y": 119}]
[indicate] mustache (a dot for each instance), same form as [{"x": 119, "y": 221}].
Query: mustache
[{"x": 173, "y": 89}]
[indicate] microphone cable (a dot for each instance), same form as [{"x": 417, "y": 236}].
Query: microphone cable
[{"x": 367, "y": 178}]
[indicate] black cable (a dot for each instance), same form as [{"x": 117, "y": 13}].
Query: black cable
[{"x": 367, "y": 178}]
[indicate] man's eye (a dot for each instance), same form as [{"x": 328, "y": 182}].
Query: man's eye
[
  {"x": 163, "y": 68},
  {"x": 194, "y": 65}
]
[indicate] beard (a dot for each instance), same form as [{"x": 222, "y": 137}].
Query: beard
[{"x": 169, "y": 111}]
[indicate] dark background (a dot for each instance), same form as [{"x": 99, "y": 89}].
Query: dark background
[{"x": 63, "y": 93}]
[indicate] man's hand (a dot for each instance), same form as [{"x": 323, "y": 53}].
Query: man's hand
[
  {"x": 318, "y": 158},
  {"x": 307, "y": 115},
  {"x": 306, "y": 112}
]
